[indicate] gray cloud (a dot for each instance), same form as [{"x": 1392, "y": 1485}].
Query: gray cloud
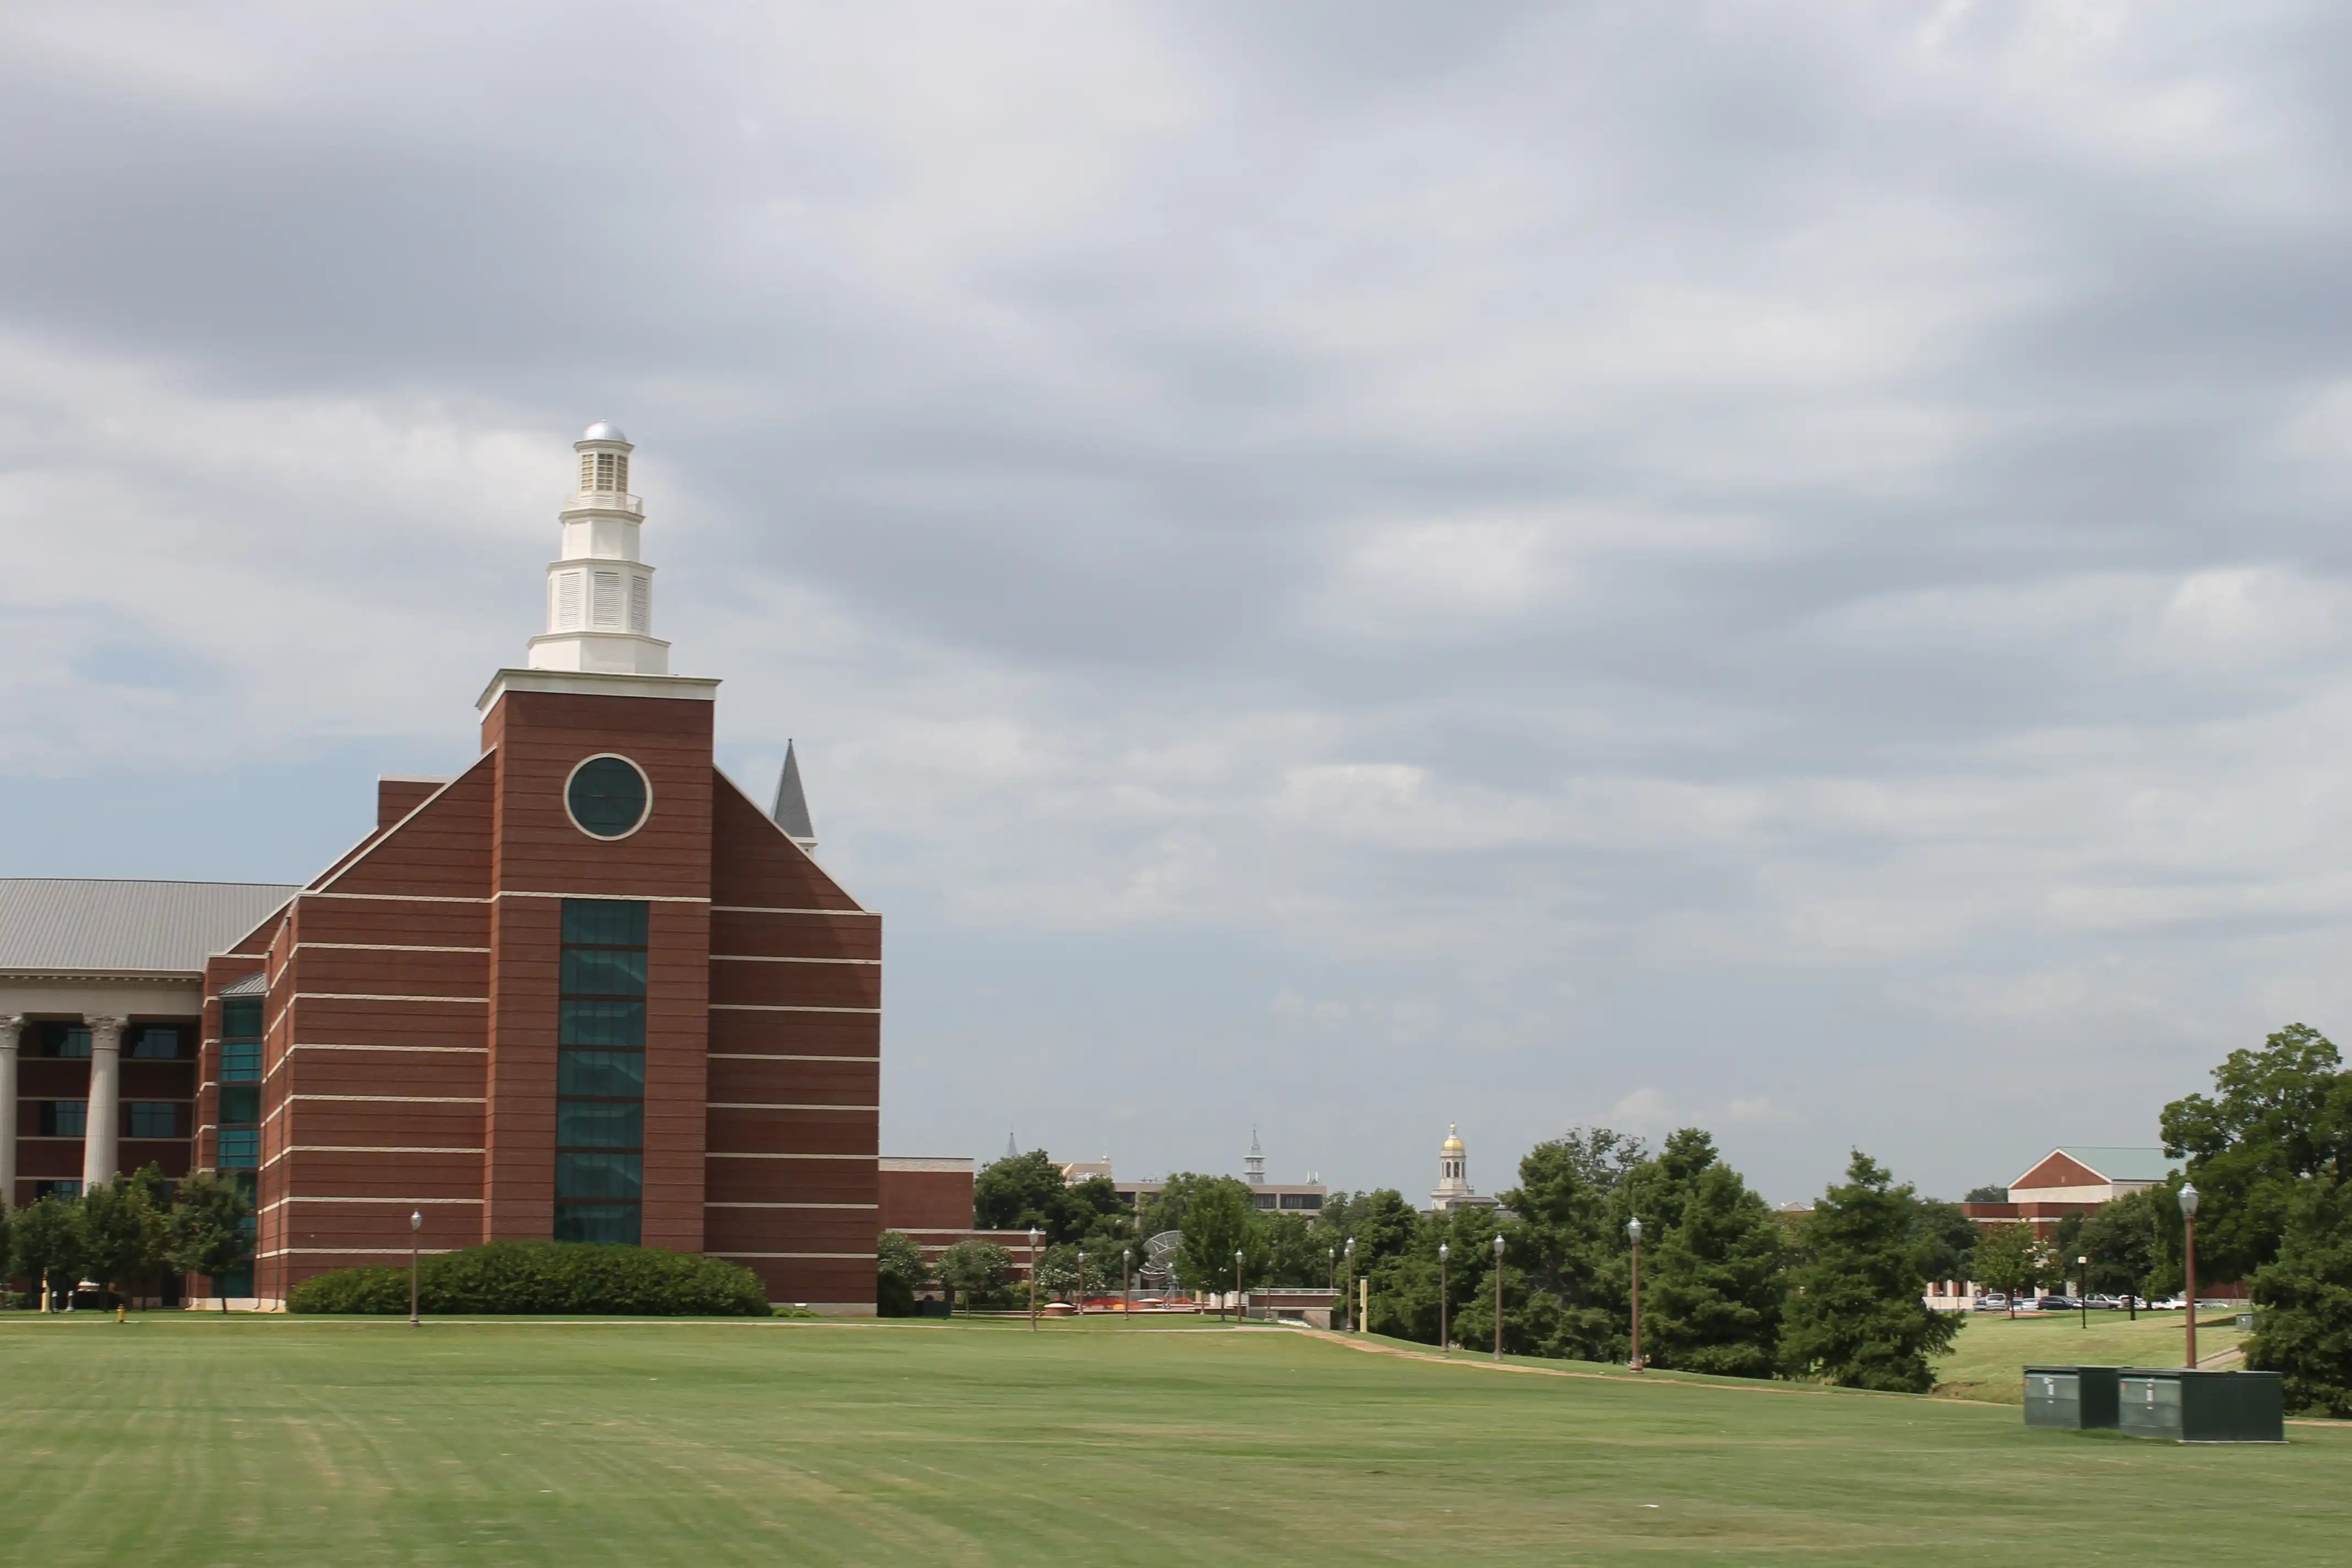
[{"x": 1359, "y": 567}]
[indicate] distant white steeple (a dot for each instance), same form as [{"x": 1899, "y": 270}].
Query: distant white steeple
[
  {"x": 599, "y": 595},
  {"x": 1254, "y": 1164}
]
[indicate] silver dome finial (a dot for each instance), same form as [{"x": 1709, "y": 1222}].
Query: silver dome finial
[{"x": 604, "y": 430}]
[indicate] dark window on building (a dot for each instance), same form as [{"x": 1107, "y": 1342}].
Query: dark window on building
[
  {"x": 66, "y": 1040},
  {"x": 606, "y": 795},
  {"x": 64, "y": 1118},
  {"x": 241, "y": 1039},
  {"x": 1302, "y": 1200},
  {"x": 600, "y": 1073},
  {"x": 237, "y": 1140},
  {"x": 56, "y": 1190},
  {"x": 154, "y": 1119},
  {"x": 1264, "y": 1200},
  {"x": 155, "y": 1043}
]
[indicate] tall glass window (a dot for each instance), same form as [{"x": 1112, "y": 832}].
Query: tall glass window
[
  {"x": 66, "y": 1040},
  {"x": 241, "y": 1039},
  {"x": 600, "y": 1073},
  {"x": 63, "y": 1118}
]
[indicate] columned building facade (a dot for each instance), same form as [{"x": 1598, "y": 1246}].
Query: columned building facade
[{"x": 584, "y": 990}]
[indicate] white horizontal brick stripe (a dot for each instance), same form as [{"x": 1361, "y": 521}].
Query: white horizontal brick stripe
[
  {"x": 323, "y": 1046},
  {"x": 608, "y": 898},
  {"x": 755, "y": 910},
  {"x": 395, "y": 898},
  {"x": 371, "y": 996},
  {"x": 404, "y": 1203},
  {"x": 763, "y": 958},
  {"x": 781, "y": 1057},
  {"x": 382, "y": 947},
  {"x": 757, "y": 1007},
  {"x": 792, "y": 1205},
  {"x": 351, "y": 1252},
  {"x": 370, "y": 1149},
  {"x": 731, "y": 1154},
  {"x": 401, "y": 1099},
  {"x": 744, "y": 1105}
]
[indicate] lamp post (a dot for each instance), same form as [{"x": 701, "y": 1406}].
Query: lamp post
[
  {"x": 1633, "y": 1230},
  {"x": 1125, "y": 1288},
  {"x": 1032, "y": 1278},
  {"x": 416, "y": 1225},
  {"x": 2082, "y": 1288},
  {"x": 1239, "y": 1313},
  {"x": 1082, "y": 1283},
  {"x": 1498, "y": 1295},
  {"x": 1444, "y": 1338},
  {"x": 1348, "y": 1252},
  {"x": 1331, "y": 1272},
  {"x": 2189, "y": 1228}
]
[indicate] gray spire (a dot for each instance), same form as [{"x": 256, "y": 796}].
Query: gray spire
[
  {"x": 791, "y": 812},
  {"x": 1012, "y": 1149},
  {"x": 1253, "y": 1167}
]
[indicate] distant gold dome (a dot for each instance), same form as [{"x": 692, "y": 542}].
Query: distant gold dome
[{"x": 1452, "y": 1144}]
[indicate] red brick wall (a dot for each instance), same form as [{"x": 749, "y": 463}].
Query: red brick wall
[
  {"x": 795, "y": 1063},
  {"x": 925, "y": 1200},
  {"x": 540, "y": 856}
]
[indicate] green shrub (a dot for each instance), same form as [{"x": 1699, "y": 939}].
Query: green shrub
[{"x": 546, "y": 1277}]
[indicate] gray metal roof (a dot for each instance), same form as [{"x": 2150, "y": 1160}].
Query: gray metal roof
[{"x": 58, "y": 925}]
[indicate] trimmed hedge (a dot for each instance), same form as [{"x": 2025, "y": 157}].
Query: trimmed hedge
[{"x": 545, "y": 1277}]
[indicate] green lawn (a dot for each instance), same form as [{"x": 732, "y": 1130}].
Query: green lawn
[
  {"x": 1993, "y": 1351},
  {"x": 185, "y": 1439}
]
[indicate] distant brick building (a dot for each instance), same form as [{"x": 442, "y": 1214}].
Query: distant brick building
[
  {"x": 2071, "y": 1181},
  {"x": 586, "y": 989}
]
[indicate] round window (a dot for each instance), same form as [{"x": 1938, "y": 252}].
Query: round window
[{"x": 607, "y": 796}]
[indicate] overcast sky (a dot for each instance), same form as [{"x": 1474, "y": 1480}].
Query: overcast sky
[{"x": 1345, "y": 567}]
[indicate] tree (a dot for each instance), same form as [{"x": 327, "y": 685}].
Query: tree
[
  {"x": 899, "y": 1264},
  {"x": 1017, "y": 1192},
  {"x": 1297, "y": 1252},
  {"x": 2276, "y": 1116},
  {"x": 2131, "y": 1246},
  {"x": 1714, "y": 1300},
  {"x": 1221, "y": 1219},
  {"x": 2011, "y": 1259},
  {"x": 976, "y": 1270},
  {"x": 1949, "y": 1237},
  {"x": 1986, "y": 1195},
  {"x": 204, "y": 1231},
  {"x": 46, "y": 1243},
  {"x": 2303, "y": 1325},
  {"x": 122, "y": 1229},
  {"x": 1566, "y": 1243},
  {"x": 1858, "y": 1317}
]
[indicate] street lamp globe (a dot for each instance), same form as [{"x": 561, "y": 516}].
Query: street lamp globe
[
  {"x": 1499, "y": 1248},
  {"x": 415, "y": 1219},
  {"x": 2189, "y": 1200},
  {"x": 1444, "y": 1252},
  {"x": 1633, "y": 1231}
]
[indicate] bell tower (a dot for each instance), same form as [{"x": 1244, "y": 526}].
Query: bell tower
[{"x": 600, "y": 593}]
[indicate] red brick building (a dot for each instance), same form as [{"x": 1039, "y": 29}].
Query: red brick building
[{"x": 586, "y": 989}]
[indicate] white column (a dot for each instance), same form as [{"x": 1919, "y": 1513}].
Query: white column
[
  {"x": 11, "y": 1029},
  {"x": 102, "y": 1135}
]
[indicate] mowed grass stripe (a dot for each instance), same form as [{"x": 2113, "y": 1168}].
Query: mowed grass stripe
[{"x": 180, "y": 1440}]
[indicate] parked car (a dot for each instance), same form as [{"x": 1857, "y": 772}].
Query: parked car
[
  {"x": 2059, "y": 1304},
  {"x": 1992, "y": 1301},
  {"x": 2170, "y": 1304}
]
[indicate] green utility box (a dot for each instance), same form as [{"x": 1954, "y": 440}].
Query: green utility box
[
  {"x": 2184, "y": 1406},
  {"x": 2072, "y": 1398}
]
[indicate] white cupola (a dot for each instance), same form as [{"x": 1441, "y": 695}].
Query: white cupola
[{"x": 599, "y": 595}]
